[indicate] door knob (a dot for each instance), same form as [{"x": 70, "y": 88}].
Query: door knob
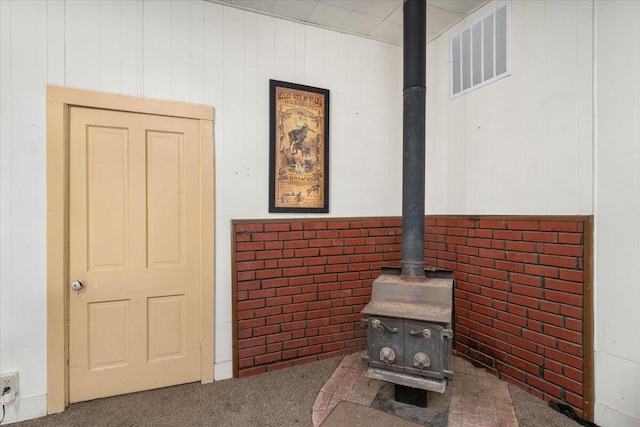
[{"x": 76, "y": 285}]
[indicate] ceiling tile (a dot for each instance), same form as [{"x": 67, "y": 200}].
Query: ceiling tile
[
  {"x": 378, "y": 8},
  {"x": 263, "y": 5},
  {"x": 294, "y": 9},
  {"x": 328, "y": 15},
  {"x": 460, "y": 6},
  {"x": 360, "y": 23},
  {"x": 439, "y": 19},
  {"x": 396, "y": 16},
  {"x": 389, "y": 32},
  {"x": 345, "y": 4}
]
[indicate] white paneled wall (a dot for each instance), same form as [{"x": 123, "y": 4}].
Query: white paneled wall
[
  {"x": 617, "y": 220},
  {"x": 523, "y": 144},
  {"x": 190, "y": 51}
]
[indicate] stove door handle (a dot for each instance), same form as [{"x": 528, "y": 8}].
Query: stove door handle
[
  {"x": 377, "y": 323},
  {"x": 426, "y": 333}
]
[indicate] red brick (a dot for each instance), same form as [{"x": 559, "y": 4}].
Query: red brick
[
  {"x": 510, "y": 266},
  {"x": 539, "y": 270},
  {"x": 563, "y": 297},
  {"x": 545, "y": 386},
  {"x": 559, "y": 261},
  {"x": 563, "y": 382},
  {"x": 570, "y": 238},
  {"x": 572, "y": 275},
  {"x": 245, "y": 256},
  {"x": 270, "y": 311},
  {"x": 573, "y": 374},
  {"x": 513, "y": 319},
  {"x": 507, "y": 235},
  {"x": 525, "y": 257},
  {"x": 523, "y": 300},
  {"x": 522, "y": 225},
  {"x": 294, "y": 308},
  {"x": 295, "y": 271},
  {"x": 522, "y": 343},
  {"x": 544, "y": 237},
  {"x": 547, "y": 318},
  {"x": 507, "y": 327},
  {"x": 560, "y": 285},
  {"x": 251, "y": 342},
  {"x": 495, "y": 294},
  {"x": 573, "y": 324},
  {"x": 567, "y": 359},
  {"x": 250, "y": 323},
  {"x": 269, "y": 274},
  {"x": 248, "y": 286},
  {"x": 510, "y": 371},
  {"x": 249, "y": 265},
  {"x": 250, "y": 305},
  {"x": 275, "y": 283},
  {"x": 262, "y": 293},
  {"x": 526, "y": 290},
  {"x": 564, "y": 250},
  {"x": 520, "y": 246},
  {"x": 484, "y": 234},
  {"x": 273, "y": 245},
  {"x": 544, "y": 340},
  {"x": 496, "y": 224},
  {"x": 249, "y": 246},
  {"x": 573, "y": 349},
  {"x": 248, "y": 228},
  {"x": 267, "y": 358},
  {"x": 567, "y": 226},
  {"x": 261, "y": 237},
  {"x": 494, "y": 274},
  {"x": 525, "y": 279},
  {"x": 550, "y": 307},
  {"x": 481, "y": 243}
]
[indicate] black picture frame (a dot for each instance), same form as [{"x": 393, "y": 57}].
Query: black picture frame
[{"x": 298, "y": 148}]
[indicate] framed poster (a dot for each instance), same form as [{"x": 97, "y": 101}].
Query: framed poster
[{"x": 298, "y": 148}]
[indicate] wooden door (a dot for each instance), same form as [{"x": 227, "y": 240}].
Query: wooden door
[{"x": 134, "y": 218}]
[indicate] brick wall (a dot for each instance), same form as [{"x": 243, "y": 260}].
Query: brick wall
[{"x": 518, "y": 299}]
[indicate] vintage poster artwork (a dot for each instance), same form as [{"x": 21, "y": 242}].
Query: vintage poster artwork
[{"x": 299, "y": 147}]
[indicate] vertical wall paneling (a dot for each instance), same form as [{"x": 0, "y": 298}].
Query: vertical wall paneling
[
  {"x": 300, "y": 52},
  {"x": 617, "y": 209},
  {"x": 5, "y": 183},
  {"x": 585, "y": 113},
  {"x": 180, "y": 42},
  {"x": 256, "y": 144},
  {"x": 157, "y": 49},
  {"x": 285, "y": 50},
  {"x": 110, "y": 47},
  {"x": 131, "y": 47},
  {"x": 265, "y": 57},
  {"x": 196, "y": 53},
  {"x": 561, "y": 104},
  {"x": 27, "y": 195},
  {"x": 234, "y": 146},
  {"x": 55, "y": 42},
  {"x": 82, "y": 44}
]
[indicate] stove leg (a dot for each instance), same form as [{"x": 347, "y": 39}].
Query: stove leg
[{"x": 411, "y": 396}]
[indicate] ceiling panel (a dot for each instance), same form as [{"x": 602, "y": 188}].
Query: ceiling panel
[{"x": 377, "y": 19}]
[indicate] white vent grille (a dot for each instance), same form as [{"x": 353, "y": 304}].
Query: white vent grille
[{"x": 481, "y": 53}]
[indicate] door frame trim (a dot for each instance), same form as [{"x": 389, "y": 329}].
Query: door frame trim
[{"x": 59, "y": 100}]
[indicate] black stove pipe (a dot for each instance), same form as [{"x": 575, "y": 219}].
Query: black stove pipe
[{"x": 413, "y": 138}]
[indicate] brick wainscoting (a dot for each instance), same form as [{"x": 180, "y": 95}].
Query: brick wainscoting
[{"x": 299, "y": 287}]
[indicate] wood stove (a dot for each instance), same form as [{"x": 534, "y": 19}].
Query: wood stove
[
  {"x": 409, "y": 330},
  {"x": 409, "y": 320}
]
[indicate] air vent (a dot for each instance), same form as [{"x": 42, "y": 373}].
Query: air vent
[{"x": 480, "y": 53}]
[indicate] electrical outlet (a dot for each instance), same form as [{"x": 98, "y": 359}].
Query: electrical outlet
[{"x": 10, "y": 380}]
